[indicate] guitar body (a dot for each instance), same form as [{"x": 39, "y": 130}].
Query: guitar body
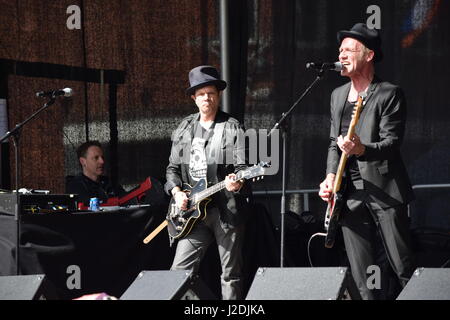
[
  {"x": 180, "y": 222},
  {"x": 332, "y": 218}
]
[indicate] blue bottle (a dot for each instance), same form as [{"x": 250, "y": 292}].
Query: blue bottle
[{"x": 93, "y": 204}]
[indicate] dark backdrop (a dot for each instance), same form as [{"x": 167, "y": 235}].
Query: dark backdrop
[{"x": 156, "y": 43}]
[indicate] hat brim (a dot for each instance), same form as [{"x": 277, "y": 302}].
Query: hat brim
[
  {"x": 360, "y": 37},
  {"x": 220, "y": 84}
]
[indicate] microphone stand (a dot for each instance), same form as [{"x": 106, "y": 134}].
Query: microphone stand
[
  {"x": 284, "y": 138},
  {"x": 15, "y": 135}
]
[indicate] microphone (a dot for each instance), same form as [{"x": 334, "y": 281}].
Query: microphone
[
  {"x": 66, "y": 92},
  {"x": 336, "y": 66}
]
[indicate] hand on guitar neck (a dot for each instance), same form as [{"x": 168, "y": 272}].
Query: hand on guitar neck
[
  {"x": 231, "y": 184},
  {"x": 351, "y": 146}
]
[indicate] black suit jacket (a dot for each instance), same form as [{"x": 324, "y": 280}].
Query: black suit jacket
[{"x": 381, "y": 129}]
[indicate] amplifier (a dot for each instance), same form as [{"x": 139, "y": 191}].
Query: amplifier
[{"x": 38, "y": 203}]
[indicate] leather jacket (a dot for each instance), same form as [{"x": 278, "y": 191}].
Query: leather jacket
[{"x": 231, "y": 204}]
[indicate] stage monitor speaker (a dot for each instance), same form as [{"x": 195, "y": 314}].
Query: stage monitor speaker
[
  {"x": 167, "y": 285},
  {"x": 26, "y": 287},
  {"x": 303, "y": 284},
  {"x": 427, "y": 284}
]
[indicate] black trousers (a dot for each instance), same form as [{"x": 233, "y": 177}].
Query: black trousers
[
  {"x": 191, "y": 249},
  {"x": 371, "y": 232}
]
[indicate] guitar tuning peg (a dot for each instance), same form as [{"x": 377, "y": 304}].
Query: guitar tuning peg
[{"x": 262, "y": 177}]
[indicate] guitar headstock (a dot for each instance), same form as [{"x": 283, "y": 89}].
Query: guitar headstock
[{"x": 255, "y": 172}]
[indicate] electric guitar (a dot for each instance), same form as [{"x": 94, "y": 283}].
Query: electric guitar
[
  {"x": 336, "y": 201},
  {"x": 180, "y": 222}
]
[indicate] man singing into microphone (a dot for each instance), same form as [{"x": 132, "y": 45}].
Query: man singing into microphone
[{"x": 374, "y": 216}]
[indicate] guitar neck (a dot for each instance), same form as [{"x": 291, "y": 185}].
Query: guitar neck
[
  {"x": 212, "y": 190},
  {"x": 339, "y": 173},
  {"x": 343, "y": 161},
  {"x": 344, "y": 157}
]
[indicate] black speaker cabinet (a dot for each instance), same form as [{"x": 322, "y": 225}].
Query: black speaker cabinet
[
  {"x": 303, "y": 284},
  {"x": 26, "y": 287},
  {"x": 427, "y": 284},
  {"x": 167, "y": 285}
]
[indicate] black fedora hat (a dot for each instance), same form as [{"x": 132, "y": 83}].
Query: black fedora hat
[
  {"x": 369, "y": 37},
  {"x": 203, "y": 76}
]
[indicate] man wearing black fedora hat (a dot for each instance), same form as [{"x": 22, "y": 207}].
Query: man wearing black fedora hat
[
  {"x": 374, "y": 214},
  {"x": 201, "y": 149}
]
